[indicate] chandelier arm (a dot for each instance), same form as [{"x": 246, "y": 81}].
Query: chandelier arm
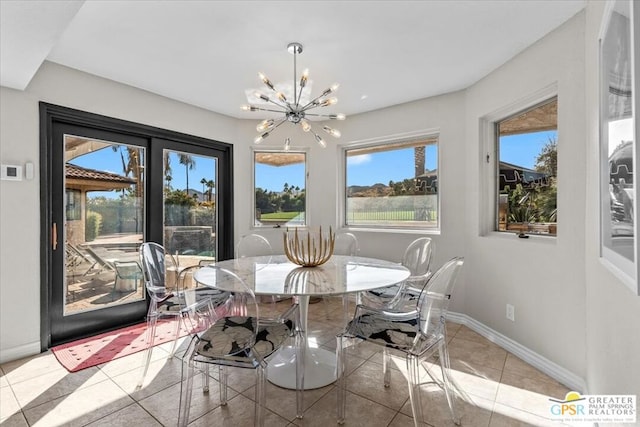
[
  {"x": 277, "y": 125},
  {"x": 285, "y": 106},
  {"x": 273, "y": 111},
  {"x": 310, "y": 104},
  {"x": 320, "y": 115},
  {"x": 317, "y": 136},
  {"x": 299, "y": 97}
]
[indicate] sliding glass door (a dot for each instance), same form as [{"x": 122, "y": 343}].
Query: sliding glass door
[{"x": 109, "y": 186}]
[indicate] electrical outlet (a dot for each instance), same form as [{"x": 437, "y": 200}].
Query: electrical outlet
[{"x": 511, "y": 312}]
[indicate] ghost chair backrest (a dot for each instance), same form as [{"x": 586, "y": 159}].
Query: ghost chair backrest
[{"x": 253, "y": 245}]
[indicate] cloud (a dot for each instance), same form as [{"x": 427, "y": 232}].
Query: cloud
[{"x": 358, "y": 160}]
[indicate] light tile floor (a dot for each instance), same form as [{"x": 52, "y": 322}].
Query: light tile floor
[{"x": 499, "y": 389}]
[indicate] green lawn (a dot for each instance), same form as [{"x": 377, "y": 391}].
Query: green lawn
[{"x": 279, "y": 216}]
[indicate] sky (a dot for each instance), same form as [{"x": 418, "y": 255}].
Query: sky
[
  {"x": 523, "y": 149},
  {"x": 364, "y": 169},
  {"x": 108, "y": 160}
]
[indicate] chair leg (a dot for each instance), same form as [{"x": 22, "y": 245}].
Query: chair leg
[
  {"x": 443, "y": 354},
  {"x": 413, "y": 368},
  {"x": 205, "y": 378},
  {"x": 151, "y": 334},
  {"x": 341, "y": 377},
  {"x": 300, "y": 344},
  {"x": 223, "y": 379},
  {"x": 345, "y": 309},
  {"x": 261, "y": 385},
  {"x": 176, "y": 335},
  {"x": 186, "y": 386},
  {"x": 386, "y": 372}
]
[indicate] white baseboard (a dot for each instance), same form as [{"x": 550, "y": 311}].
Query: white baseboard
[
  {"x": 19, "y": 352},
  {"x": 555, "y": 371}
]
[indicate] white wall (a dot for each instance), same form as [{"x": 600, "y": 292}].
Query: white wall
[
  {"x": 613, "y": 312},
  {"x": 443, "y": 114},
  {"x": 544, "y": 278},
  {"x": 19, "y": 201}
]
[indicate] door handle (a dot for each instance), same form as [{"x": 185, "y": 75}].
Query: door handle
[{"x": 54, "y": 236}]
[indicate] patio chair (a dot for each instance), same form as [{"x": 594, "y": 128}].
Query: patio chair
[
  {"x": 81, "y": 256},
  {"x": 241, "y": 338},
  {"x": 418, "y": 333},
  {"x": 101, "y": 257},
  {"x": 180, "y": 304},
  {"x": 127, "y": 270}
]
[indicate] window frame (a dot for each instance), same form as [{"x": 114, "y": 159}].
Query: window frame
[
  {"x": 498, "y": 160},
  {"x": 389, "y": 141},
  {"x": 489, "y": 159},
  {"x": 299, "y": 150}
]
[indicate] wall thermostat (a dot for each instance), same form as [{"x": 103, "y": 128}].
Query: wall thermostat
[{"x": 11, "y": 173}]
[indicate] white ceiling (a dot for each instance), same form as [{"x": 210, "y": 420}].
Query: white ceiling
[{"x": 206, "y": 53}]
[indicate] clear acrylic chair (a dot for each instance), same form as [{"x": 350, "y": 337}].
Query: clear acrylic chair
[
  {"x": 177, "y": 302},
  {"x": 417, "y": 258},
  {"x": 418, "y": 333},
  {"x": 253, "y": 245},
  {"x": 257, "y": 245},
  {"x": 242, "y": 338},
  {"x": 345, "y": 244}
]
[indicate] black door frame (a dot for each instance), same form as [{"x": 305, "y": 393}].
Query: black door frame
[{"x": 53, "y": 114}]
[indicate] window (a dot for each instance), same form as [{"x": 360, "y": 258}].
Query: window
[
  {"x": 527, "y": 170},
  {"x": 280, "y": 190},
  {"x": 393, "y": 184},
  {"x": 73, "y": 204}
]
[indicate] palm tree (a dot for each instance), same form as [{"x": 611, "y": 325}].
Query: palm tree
[
  {"x": 210, "y": 185},
  {"x": 189, "y": 164},
  {"x": 132, "y": 166},
  {"x": 203, "y": 181}
]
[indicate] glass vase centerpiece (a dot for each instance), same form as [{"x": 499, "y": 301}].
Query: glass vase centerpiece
[{"x": 308, "y": 248}]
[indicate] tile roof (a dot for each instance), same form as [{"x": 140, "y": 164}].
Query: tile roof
[{"x": 77, "y": 172}]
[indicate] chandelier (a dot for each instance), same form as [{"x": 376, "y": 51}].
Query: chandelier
[{"x": 295, "y": 107}]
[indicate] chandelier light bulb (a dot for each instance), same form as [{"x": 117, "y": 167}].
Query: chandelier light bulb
[
  {"x": 333, "y": 132},
  {"x": 248, "y": 108},
  {"x": 287, "y": 144},
  {"x": 281, "y": 97},
  {"x": 329, "y": 101},
  {"x": 305, "y": 125},
  {"x": 264, "y": 125},
  {"x": 334, "y": 87},
  {"x": 261, "y": 96},
  {"x": 261, "y": 138},
  {"x": 266, "y": 81},
  {"x": 304, "y": 78},
  {"x": 320, "y": 141},
  {"x": 337, "y": 116}
]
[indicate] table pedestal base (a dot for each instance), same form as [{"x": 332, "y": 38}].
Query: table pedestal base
[{"x": 319, "y": 368}]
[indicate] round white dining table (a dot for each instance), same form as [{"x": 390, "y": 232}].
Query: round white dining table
[{"x": 276, "y": 275}]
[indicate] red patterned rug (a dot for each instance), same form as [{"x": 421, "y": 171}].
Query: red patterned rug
[{"x": 92, "y": 351}]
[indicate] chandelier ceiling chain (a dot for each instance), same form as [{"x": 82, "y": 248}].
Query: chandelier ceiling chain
[{"x": 295, "y": 112}]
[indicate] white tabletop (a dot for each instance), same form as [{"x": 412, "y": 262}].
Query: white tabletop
[{"x": 276, "y": 275}]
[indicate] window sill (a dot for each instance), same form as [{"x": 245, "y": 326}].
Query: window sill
[
  {"x": 392, "y": 230},
  {"x": 507, "y": 235}
]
